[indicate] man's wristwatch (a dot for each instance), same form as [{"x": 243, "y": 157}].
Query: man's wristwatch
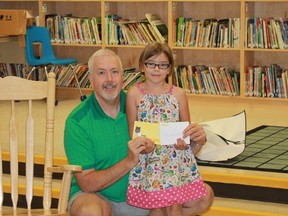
[{"x": 197, "y": 145}]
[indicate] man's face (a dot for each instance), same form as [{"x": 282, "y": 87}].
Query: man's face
[{"x": 107, "y": 78}]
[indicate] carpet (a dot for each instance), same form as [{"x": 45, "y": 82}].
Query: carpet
[{"x": 266, "y": 150}]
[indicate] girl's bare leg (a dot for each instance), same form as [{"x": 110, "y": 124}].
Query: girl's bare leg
[
  {"x": 157, "y": 212},
  {"x": 174, "y": 210}
]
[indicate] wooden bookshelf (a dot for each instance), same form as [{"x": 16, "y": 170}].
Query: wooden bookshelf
[{"x": 239, "y": 58}]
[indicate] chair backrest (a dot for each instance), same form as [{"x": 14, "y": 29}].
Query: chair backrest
[
  {"x": 40, "y": 35},
  {"x": 22, "y": 92}
]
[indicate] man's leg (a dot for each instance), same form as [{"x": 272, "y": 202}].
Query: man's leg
[
  {"x": 123, "y": 209},
  {"x": 199, "y": 206},
  {"x": 89, "y": 204}
]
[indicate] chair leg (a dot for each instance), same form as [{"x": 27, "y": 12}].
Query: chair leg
[
  {"x": 31, "y": 71},
  {"x": 82, "y": 97},
  {"x": 46, "y": 72},
  {"x": 36, "y": 67}
]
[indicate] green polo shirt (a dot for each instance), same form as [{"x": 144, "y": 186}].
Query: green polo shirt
[{"x": 94, "y": 140}]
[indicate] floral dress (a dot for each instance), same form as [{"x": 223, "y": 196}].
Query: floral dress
[{"x": 165, "y": 176}]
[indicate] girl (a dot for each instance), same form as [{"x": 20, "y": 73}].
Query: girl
[{"x": 167, "y": 175}]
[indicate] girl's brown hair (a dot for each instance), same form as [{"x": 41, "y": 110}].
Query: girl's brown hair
[{"x": 154, "y": 49}]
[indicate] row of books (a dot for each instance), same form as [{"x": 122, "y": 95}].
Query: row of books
[
  {"x": 66, "y": 76},
  {"x": 132, "y": 77},
  {"x": 198, "y": 79},
  {"x": 267, "y": 33},
  {"x": 263, "y": 81},
  {"x": 73, "y": 30},
  {"x": 7, "y": 69},
  {"x": 207, "y": 33},
  {"x": 202, "y": 79},
  {"x": 121, "y": 31},
  {"x": 260, "y": 81}
]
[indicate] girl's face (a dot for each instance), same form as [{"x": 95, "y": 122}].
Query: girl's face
[{"x": 156, "y": 68}]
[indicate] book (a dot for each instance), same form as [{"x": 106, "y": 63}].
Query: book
[
  {"x": 250, "y": 32},
  {"x": 284, "y": 76},
  {"x": 207, "y": 31},
  {"x": 187, "y": 36},
  {"x": 236, "y": 31},
  {"x": 161, "y": 133},
  {"x": 180, "y": 23},
  {"x": 158, "y": 26}
]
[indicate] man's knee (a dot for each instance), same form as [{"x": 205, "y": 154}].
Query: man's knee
[{"x": 90, "y": 205}]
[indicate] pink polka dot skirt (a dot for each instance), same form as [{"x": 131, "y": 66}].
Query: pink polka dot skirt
[{"x": 166, "y": 197}]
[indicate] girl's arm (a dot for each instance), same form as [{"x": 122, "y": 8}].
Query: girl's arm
[
  {"x": 184, "y": 113},
  {"x": 132, "y": 99},
  {"x": 195, "y": 131},
  {"x": 131, "y": 109}
]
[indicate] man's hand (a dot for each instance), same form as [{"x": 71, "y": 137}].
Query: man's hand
[
  {"x": 135, "y": 147},
  {"x": 149, "y": 147}
]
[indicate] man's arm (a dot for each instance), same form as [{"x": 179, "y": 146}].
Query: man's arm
[{"x": 92, "y": 180}]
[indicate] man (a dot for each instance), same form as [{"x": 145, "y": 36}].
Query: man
[{"x": 96, "y": 137}]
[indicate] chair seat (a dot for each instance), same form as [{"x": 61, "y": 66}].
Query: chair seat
[
  {"x": 39, "y": 62},
  {"x": 44, "y": 62},
  {"x": 39, "y": 35}
]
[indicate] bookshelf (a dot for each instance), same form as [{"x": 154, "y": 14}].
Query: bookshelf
[{"x": 238, "y": 58}]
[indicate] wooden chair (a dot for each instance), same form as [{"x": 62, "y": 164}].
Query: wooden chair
[{"x": 22, "y": 92}]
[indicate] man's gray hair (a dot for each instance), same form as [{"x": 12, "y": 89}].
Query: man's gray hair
[{"x": 102, "y": 52}]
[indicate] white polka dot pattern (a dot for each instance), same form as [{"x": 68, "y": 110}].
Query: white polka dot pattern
[{"x": 167, "y": 197}]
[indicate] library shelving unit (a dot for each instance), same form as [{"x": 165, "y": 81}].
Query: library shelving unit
[{"x": 239, "y": 58}]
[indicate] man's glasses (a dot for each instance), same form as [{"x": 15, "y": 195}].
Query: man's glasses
[{"x": 152, "y": 65}]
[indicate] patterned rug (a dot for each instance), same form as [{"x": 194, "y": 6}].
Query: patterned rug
[{"x": 266, "y": 150}]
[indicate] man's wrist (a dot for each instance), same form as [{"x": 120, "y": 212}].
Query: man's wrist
[{"x": 197, "y": 145}]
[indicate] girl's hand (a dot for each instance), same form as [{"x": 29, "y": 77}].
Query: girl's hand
[
  {"x": 196, "y": 133},
  {"x": 180, "y": 145}
]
